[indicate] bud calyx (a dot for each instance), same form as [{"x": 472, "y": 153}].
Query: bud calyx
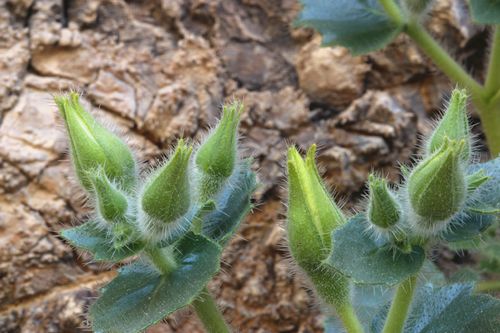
[{"x": 383, "y": 209}]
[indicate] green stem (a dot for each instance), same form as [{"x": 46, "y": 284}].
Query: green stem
[
  {"x": 209, "y": 314},
  {"x": 486, "y": 286},
  {"x": 349, "y": 319},
  {"x": 490, "y": 120},
  {"x": 162, "y": 258},
  {"x": 443, "y": 60},
  {"x": 400, "y": 305},
  {"x": 492, "y": 84},
  {"x": 393, "y": 11}
]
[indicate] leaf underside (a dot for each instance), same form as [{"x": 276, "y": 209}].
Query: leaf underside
[
  {"x": 485, "y": 11},
  {"x": 360, "y": 25},
  {"x": 358, "y": 256},
  {"x": 140, "y": 296}
]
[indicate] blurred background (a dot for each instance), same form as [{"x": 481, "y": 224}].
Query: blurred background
[{"x": 162, "y": 68}]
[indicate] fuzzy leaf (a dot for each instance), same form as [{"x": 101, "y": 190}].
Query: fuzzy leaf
[
  {"x": 452, "y": 308},
  {"x": 485, "y": 11},
  {"x": 360, "y": 25},
  {"x": 99, "y": 243},
  {"x": 233, "y": 203},
  {"x": 468, "y": 227},
  {"x": 488, "y": 194},
  {"x": 358, "y": 256},
  {"x": 140, "y": 296},
  {"x": 490, "y": 252}
]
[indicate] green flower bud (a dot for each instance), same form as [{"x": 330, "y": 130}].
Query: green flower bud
[
  {"x": 217, "y": 155},
  {"x": 312, "y": 214},
  {"x": 166, "y": 195},
  {"x": 383, "y": 209},
  {"x": 437, "y": 186},
  {"x": 111, "y": 203},
  {"x": 454, "y": 125},
  {"x": 92, "y": 146}
]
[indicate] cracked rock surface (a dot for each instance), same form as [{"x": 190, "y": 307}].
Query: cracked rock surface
[{"x": 160, "y": 69}]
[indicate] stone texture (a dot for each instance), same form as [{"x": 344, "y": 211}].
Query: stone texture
[{"x": 156, "y": 70}]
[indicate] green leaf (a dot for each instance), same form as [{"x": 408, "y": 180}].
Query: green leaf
[
  {"x": 99, "y": 242},
  {"x": 490, "y": 253},
  {"x": 140, "y": 296},
  {"x": 366, "y": 261},
  {"x": 467, "y": 227},
  {"x": 453, "y": 308},
  {"x": 233, "y": 203},
  {"x": 360, "y": 25},
  {"x": 485, "y": 11}
]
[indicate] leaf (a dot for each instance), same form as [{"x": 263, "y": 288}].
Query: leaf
[
  {"x": 140, "y": 296},
  {"x": 452, "y": 308},
  {"x": 358, "y": 256},
  {"x": 480, "y": 207},
  {"x": 490, "y": 253},
  {"x": 99, "y": 242},
  {"x": 485, "y": 11},
  {"x": 233, "y": 203},
  {"x": 360, "y": 25}
]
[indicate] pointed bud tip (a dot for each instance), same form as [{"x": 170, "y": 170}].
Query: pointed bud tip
[{"x": 383, "y": 209}]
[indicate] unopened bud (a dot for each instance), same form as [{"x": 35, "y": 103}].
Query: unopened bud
[
  {"x": 383, "y": 209},
  {"x": 218, "y": 154},
  {"x": 437, "y": 187},
  {"x": 312, "y": 213},
  {"x": 111, "y": 203},
  {"x": 454, "y": 125},
  {"x": 166, "y": 195},
  {"x": 93, "y": 147}
]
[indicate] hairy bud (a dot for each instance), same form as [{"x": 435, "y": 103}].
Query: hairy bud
[
  {"x": 437, "y": 187},
  {"x": 383, "y": 209},
  {"x": 166, "y": 195},
  {"x": 454, "y": 125},
  {"x": 92, "y": 146},
  {"x": 111, "y": 203},
  {"x": 217, "y": 155},
  {"x": 312, "y": 214}
]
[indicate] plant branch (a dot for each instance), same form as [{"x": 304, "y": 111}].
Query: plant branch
[
  {"x": 393, "y": 11},
  {"x": 443, "y": 60},
  {"x": 492, "y": 85},
  {"x": 349, "y": 319},
  {"x": 209, "y": 313},
  {"x": 396, "y": 317},
  {"x": 162, "y": 259}
]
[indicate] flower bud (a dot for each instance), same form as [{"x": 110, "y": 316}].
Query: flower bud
[
  {"x": 454, "y": 124},
  {"x": 312, "y": 214},
  {"x": 437, "y": 186},
  {"x": 166, "y": 195},
  {"x": 217, "y": 155},
  {"x": 111, "y": 203},
  {"x": 92, "y": 146},
  {"x": 383, "y": 209}
]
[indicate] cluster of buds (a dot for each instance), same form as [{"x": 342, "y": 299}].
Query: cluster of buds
[{"x": 163, "y": 207}]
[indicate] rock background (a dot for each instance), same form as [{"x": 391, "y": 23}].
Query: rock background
[{"x": 158, "y": 69}]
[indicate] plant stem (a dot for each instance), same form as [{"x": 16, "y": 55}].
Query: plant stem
[
  {"x": 162, "y": 258},
  {"x": 396, "y": 317},
  {"x": 492, "y": 84},
  {"x": 442, "y": 59},
  {"x": 209, "y": 314},
  {"x": 490, "y": 120},
  {"x": 349, "y": 319},
  {"x": 486, "y": 286},
  {"x": 393, "y": 11}
]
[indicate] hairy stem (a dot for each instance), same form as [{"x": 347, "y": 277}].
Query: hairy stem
[
  {"x": 487, "y": 286},
  {"x": 442, "y": 59},
  {"x": 393, "y": 11},
  {"x": 349, "y": 319},
  {"x": 162, "y": 258},
  {"x": 490, "y": 121},
  {"x": 396, "y": 317},
  {"x": 492, "y": 84},
  {"x": 209, "y": 314}
]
